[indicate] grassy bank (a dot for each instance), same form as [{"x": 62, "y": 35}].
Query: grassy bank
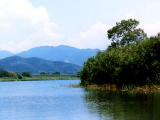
[
  {"x": 146, "y": 89},
  {"x": 40, "y": 77}
]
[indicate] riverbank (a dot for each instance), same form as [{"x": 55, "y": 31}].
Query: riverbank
[
  {"x": 146, "y": 89},
  {"x": 40, "y": 77}
]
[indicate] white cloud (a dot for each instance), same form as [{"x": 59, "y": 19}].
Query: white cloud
[
  {"x": 151, "y": 29},
  {"x": 95, "y": 37},
  {"x": 25, "y": 25},
  {"x": 5, "y": 25},
  {"x": 129, "y": 16},
  {"x": 29, "y": 27}
]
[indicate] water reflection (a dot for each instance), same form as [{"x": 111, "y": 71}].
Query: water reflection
[
  {"x": 43, "y": 100},
  {"x": 118, "y": 106},
  {"x": 55, "y": 100}
]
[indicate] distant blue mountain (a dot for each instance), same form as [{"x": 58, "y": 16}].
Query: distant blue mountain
[
  {"x": 4, "y": 54},
  {"x": 60, "y": 53},
  {"x": 37, "y": 65}
]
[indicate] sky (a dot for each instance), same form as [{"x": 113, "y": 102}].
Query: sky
[{"x": 25, "y": 24}]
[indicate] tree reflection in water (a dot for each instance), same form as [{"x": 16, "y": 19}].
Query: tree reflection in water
[{"x": 120, "y": 106}]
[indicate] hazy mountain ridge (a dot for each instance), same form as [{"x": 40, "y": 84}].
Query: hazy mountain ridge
[
  {"x": 4, "y": 54},
  {"x": 60, "y": 53},
  {"x": 37, "y": 65}
]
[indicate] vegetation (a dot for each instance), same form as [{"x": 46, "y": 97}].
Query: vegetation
[
  {"x": 19, "y": 76},
  {"x": 26, "y": 74},
  {"x": 37, "y": 65},
  {"x": 126, "y": 32},
  {"x": 134, "y": 60},
  {"x": 4, "y": 73},
  {"x": 39, "y": 77},
  {"x": 51, "y": 77},
  {"x": 44, "y": 73},
  {"x": 56, "y": 73}
]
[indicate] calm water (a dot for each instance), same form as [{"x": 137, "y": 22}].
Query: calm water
[{"x": 55, "y": 100}]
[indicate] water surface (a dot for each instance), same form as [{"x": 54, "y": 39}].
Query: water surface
[{"x": 55, "y": 100}]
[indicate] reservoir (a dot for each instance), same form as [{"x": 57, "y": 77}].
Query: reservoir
[{"x": 57, "y": 100}]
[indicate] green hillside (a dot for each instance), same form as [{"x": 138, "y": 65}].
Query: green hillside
[{"x": 37, "y": 65}]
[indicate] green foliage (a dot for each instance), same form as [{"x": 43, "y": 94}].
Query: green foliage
[
  {"x": 26, "y": 74},
  {"x": 12, "y": 75},
  {"x": 19, "y": 76},
  {"x": 56, "y": 73},
  {"x": 15, "y": 75},
  {"x": 44, "y": 73},
  {"x": 136, "y": 64},
  {"x": 4, "y": 73},
  {"x": 126, "y": 32}
]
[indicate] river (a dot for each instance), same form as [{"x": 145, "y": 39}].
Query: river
[{"x": 56, "y": 100}]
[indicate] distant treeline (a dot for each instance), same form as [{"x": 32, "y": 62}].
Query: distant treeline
[
  {"x": 46, "y": 73},
  {"x": 16, "y": 75},
  {"x": 5, "y": 73},
  {"x": 131, "y": 59}
]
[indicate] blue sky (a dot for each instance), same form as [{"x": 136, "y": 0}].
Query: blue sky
[{"x": 80, "y": 23}]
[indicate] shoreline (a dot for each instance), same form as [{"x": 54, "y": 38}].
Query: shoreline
[
  {"x": 40, "y": 78},
  {"x": 146, "y": 89}
]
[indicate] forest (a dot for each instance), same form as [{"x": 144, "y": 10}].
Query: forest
[{"x": 133, "y": 58}]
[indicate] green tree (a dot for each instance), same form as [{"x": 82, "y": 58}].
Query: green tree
[
  {"x": 56, "y": 73},
  {"x": 126, "y": 32},
  {"x": 4, "y": 73},
  {"x": 42, "y": 73},
  {"x": 26, "y": 74}
]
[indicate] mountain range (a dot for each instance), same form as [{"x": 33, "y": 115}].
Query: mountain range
[
  {"x": 37, "y": 65},
  {"x": 4, "y": 54},
  {"x": 63, "y": 59},
  {"x": 60, "y": 53}
]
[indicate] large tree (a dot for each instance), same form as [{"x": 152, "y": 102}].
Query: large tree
[{"x": 126, "y": 32}]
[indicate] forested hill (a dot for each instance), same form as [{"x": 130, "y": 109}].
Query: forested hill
[
  {"x": 60, "y": 53},
  {"x": 37, "y": 65}
]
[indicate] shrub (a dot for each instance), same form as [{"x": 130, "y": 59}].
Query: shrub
[
  {"x": 26, "y": 74},
  {"x": 56, "y": 73},
  {"x": 4, "y": 73},
  {"x": 19, "y": 76}
]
